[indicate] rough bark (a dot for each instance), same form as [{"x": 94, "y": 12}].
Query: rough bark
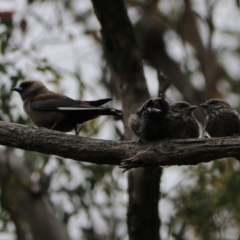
[
  {"x": 27, "y": 204},
  {"x": 127, "y": 153},
  {"x": 126, "y": 67}
]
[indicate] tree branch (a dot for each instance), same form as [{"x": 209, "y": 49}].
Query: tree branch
[{"x": 124, "y": 153}]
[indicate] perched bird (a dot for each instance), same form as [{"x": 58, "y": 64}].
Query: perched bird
[
  {"x": 221, "y": 119},
  {"x": 56, "y": 111},
  {"x": 158, "y": 119}
]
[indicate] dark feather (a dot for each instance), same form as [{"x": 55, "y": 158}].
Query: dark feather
[{"x": 99, "y": 102}]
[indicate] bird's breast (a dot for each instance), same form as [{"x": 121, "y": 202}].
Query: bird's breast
[{"x": 43, "y": 118}]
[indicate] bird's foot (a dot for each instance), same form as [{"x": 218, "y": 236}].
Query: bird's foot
[
  {"x": 53, "y": 126},
  {"x": 77, "y": 131}
]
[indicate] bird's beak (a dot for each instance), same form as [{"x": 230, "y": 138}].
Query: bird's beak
[
  {"x": 17, "y": 89},
  {"x": 149, "y": 103},
  {"x": 191, "y": 108},
  {"x": 204, "y": 105}
]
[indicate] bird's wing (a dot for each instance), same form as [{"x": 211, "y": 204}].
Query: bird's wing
[
  {"x": 54, "y": 104},
  {"x": 70, "y": 105}
]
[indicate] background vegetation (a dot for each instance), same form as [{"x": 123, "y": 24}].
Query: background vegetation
[{"x": 195, "y": 43}]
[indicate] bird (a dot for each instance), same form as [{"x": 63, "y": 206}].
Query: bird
[
  {"x": 56, "y": 111},
  {"x": 221, "y": 120},
  {"x": 158, "y": 119}
]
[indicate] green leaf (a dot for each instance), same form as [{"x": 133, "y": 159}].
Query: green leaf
[
  {"x": 238, "y": 3},
  {"x": 2, "y": 68}
]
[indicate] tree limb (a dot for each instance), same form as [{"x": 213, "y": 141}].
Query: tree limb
[{"x": 127, "y": 154}]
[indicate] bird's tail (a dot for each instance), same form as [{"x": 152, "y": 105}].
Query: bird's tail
[
  {"x": 109, "y": 111},
  {"x": 85, "y": 114},
  {"x": 97, "y": 103},
  {"x": 91, "y": 110}
]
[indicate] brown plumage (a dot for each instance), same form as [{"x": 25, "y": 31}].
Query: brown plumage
[{"x": 56, "y": 111}]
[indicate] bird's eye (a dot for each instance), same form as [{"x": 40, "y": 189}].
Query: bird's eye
[
  {"x": 176, "y": 109},
  {"x": 25, "y": 85}
]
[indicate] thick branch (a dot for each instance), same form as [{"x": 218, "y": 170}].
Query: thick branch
[{"x": 129, "y": 154}]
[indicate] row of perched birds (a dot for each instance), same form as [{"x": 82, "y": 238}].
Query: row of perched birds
[{"x": 157, "y": 119}]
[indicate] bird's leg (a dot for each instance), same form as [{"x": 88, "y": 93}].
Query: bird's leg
[
  {"x": 53, "y": 126},
  {"x": 220, "y": 144},
  {"x": 77, "y": 131}
]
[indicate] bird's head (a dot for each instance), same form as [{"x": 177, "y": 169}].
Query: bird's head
[
  {"x": 182, "y": 108},
  {"x": 29, "y": 88},
  {"x": 158, "y": 104},
  {"x": 213, "y": 105}
]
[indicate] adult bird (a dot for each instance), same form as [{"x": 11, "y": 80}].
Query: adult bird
[{"x": 56, "y": 111}]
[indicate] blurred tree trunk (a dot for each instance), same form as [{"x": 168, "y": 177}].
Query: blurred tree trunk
[
  {"x": 150, "y": 31},
  {"x": 126, "y": 67},
  {"x": 27, "y": 204}
]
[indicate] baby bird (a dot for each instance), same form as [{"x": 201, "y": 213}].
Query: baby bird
[
  {"x": 158, "y": 119},
  {"x": 221, "y": 119}
]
